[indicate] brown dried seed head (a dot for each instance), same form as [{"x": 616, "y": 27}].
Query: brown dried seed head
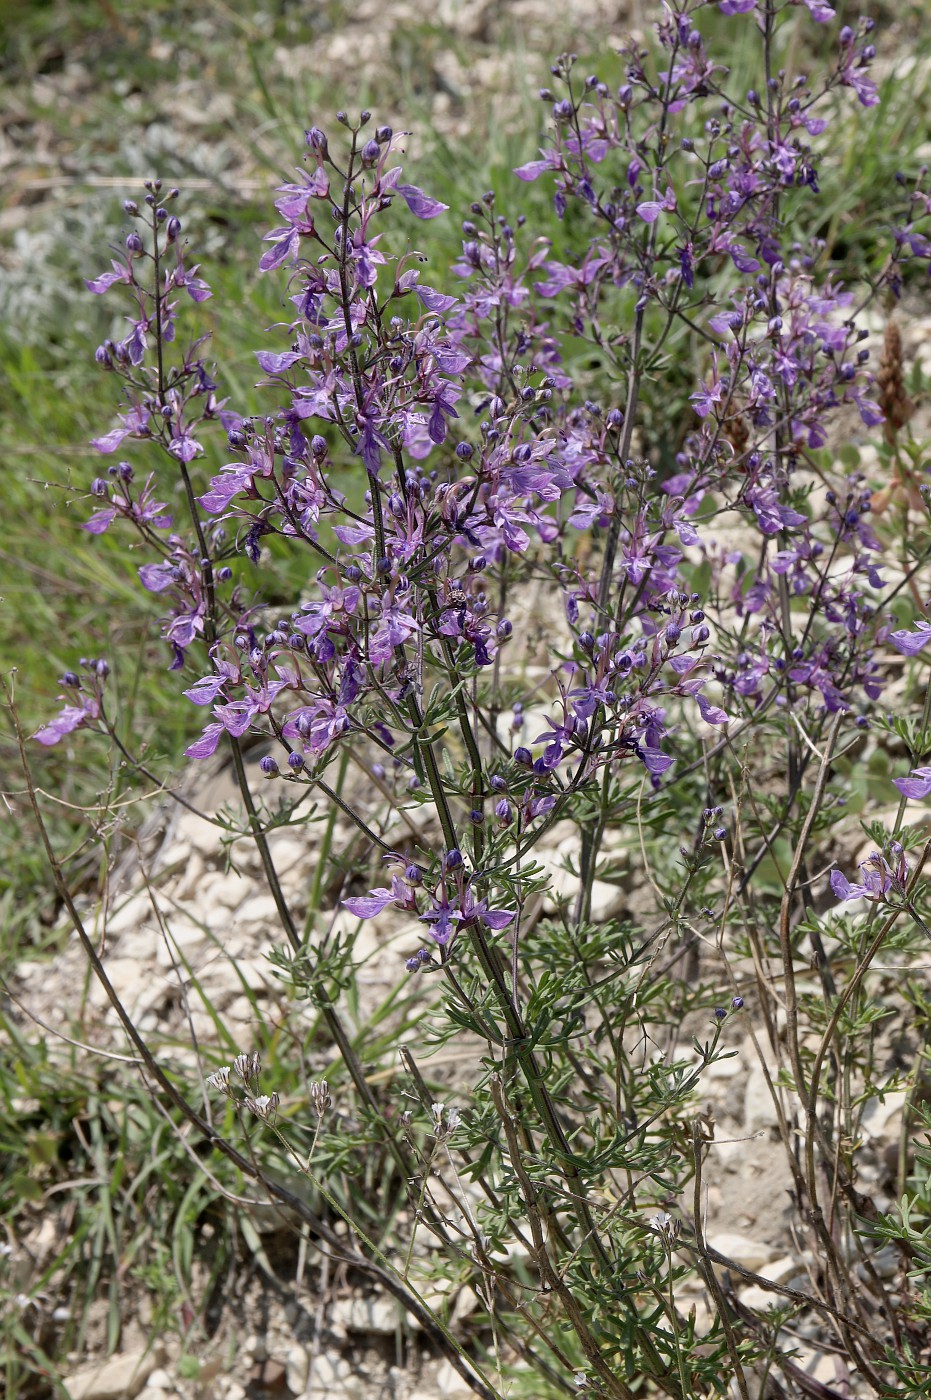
[{"x": 890, "y": 384}]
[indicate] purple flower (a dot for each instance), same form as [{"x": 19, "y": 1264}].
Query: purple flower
[
  {"x": 910, "y": 643},
  {"x": 421, "y": 204},
  {"x": 916, "y": 786},
  {"x": 879, "y": 879},
  {"x": 69, "y": 719}
]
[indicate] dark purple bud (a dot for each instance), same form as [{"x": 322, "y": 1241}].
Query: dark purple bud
[
  {"x": 225, "y": 574},
  {"x": 296, "y": 761},
  {"x": 130, "y": 207},
  {"x": 498, "y": 783},
  {"x": 464, "y": 451},
  {"x": 99, "y": 487},
  {"x": 477, "y": 564},
  {"x": 504, "y": 629},
  {"x": 383, "y": 134},
  {"x": 524, "y": 757},
  {"x": 452, "y": 859},
  {"x": 720, "y": 1013},
  {"x": 412, "y": 964},
  {"x": 370, "y": 153},
  {"x": 352, "y": 573},
  {"x": 134, "y": 243},
  {"x": 103, "y": 356},
  {"x": 71, "y": 678},
  {"x": 720, "y": 833},
  {"x": 174, "y": 228},
  {"x": 383, "y": 565},
  {"x": 413, "y": 874},
  {"x": 476, "y": 816},
  {"x": 268, "y": 765},
  {"x": 503, "y": 812},
  {"x": 737, "y": 1003}
]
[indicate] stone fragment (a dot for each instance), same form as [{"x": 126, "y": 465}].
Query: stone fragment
[
  {"x": 120, "y": 1378},
  {"x": 378, "y": 1315},
  {"x": 297, "y": 1368},
  {"x": 751, "y": 1254},
  {"x": 759, "y": 1109},
  {"x": 450, "y": 1385},
  {"x": 161, "y": 1379}
]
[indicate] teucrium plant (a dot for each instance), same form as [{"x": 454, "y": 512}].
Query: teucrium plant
[{"x": 718, "y": 619}]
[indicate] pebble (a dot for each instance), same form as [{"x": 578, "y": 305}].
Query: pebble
[
  {"x": 160, "y": 1379},
  {"x": 759, "y": 1109},
  {"x": 379, "y": 1315},
  {"x": 122, "y": 1377},
  {"x": 751, "y": 1254},
  {"x": 258, "y": 911},
  {"x": 297, "y": 1368},
  {"x": 450, "y": 1385},
  {"x": 197, "y": 833}
]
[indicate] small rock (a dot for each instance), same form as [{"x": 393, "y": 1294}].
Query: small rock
[
  {"x": 759, "y": 1299},
  {"x": 781, "y": 1270},
  {"x": 185, "y": 939},
  {"x": 130, "y": 914},
  {"x": 759, "y": 1109},
  {"x": 450, "y": 1385},
  {"x": 297, "y": 1366},
  {"x": 203, "y": 836},
  {"x": 751, "y": 1254},
  {"x": 229, "y": 890},
  {"x": 161, "y": 1380},
  {"x": 269, "y": 1375},
  {"x": 120, "y": 1378},
  {"x": 365, "y": 1315},
  {"x": 883, "y": 1119},
  {"x": 261, "y": 910},
  {"x": 327, "y": 1375},
  {"x": 192, "y": 871}
]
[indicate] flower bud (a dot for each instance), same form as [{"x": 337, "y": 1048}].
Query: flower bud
[{"x": 268, "y": 765}]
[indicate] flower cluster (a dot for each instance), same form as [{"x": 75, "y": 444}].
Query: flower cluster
[{"x": 431, "y": 452}]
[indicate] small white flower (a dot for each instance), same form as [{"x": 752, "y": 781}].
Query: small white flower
[
  {"x": 220, "y": 1079},
  {"x": 263, "y": 1105}
]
